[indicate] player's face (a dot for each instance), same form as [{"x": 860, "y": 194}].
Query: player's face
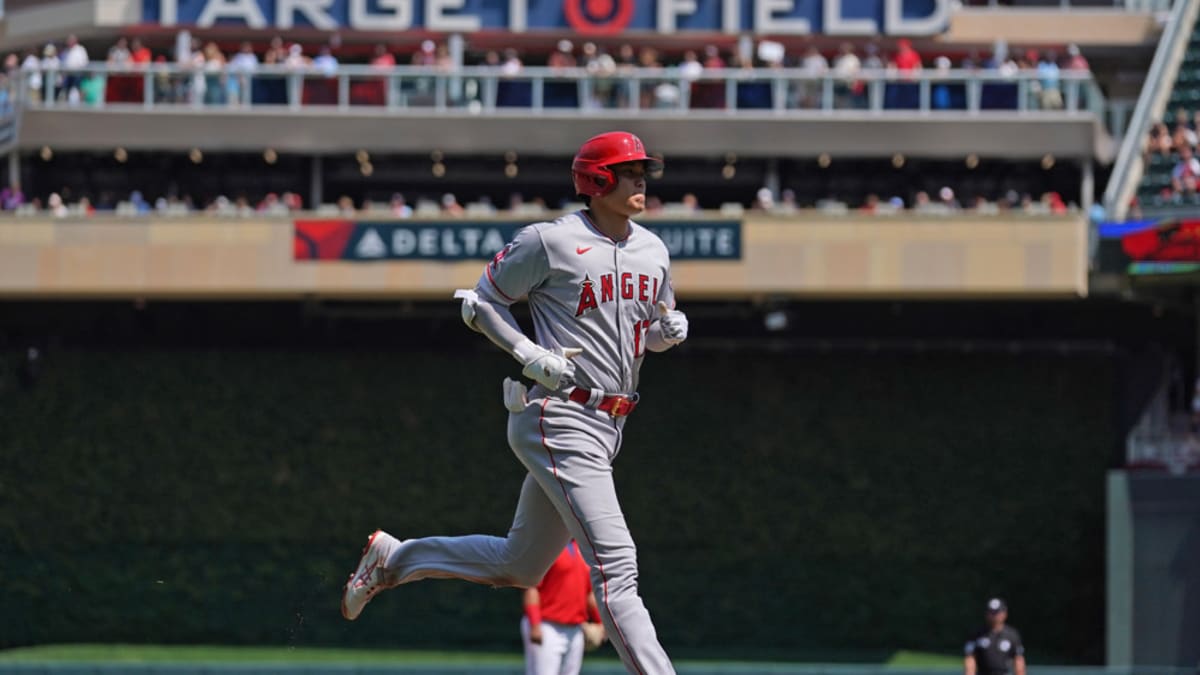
[
  {"x": 629, "y": 197},
  {"x": 996, "y": 619}
]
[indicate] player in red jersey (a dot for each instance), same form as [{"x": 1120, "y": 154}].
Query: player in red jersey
[{"x": 555, "y": 612}]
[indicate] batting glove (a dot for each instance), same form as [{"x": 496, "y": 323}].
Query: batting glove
[
  {"x": 514, "y": 395},
  {"x": 551, "y": 369},
  {"x": 674, "y": 324}
]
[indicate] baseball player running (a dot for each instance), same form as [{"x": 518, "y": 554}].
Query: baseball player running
[{"x": 599, "y": 289}]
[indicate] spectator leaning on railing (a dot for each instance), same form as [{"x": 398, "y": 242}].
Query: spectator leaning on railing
[
  {"x": 74, "y": 59},
  {"x": 205, "y": 76}
]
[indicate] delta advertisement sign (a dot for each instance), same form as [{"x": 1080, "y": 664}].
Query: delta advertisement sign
[
  {"x": 586, "y": 17},
  {"x": 366, "y": 241}
]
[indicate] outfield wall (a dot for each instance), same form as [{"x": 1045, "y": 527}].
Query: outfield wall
[
  {"x": 807, "y": 255},
  {"x": 839, "y": 502}
]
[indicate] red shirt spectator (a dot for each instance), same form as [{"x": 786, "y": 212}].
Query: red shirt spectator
[
  {"x": 383, "y": 58},
  {"x": 907, "y": 59},
  {"x": 1075, "y": 60},
  {"x": 564, "y": 590},
  {"x": 138, "y": 52},
  {"x": 554, "y": 614}
]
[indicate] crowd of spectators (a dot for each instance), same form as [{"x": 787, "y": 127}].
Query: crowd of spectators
[
  {"x": 220, "y": 74},
  {"x": 251, "y": 74},
  {"x": 1175, "y": 145},
  {"x": 65, "y": 203}
]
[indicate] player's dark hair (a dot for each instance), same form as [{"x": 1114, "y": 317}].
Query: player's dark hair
[{"x": 586, "y": 199}]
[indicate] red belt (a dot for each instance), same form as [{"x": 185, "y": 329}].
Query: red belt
[{"x": 617, "y": 405}]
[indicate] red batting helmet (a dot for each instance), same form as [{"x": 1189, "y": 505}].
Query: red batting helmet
[{"x": 590, "y": 169}]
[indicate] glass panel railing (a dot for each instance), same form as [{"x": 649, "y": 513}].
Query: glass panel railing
[{"x": 477, "y": 89}]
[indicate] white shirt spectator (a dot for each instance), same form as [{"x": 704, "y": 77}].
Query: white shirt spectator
[
  {"x": 50, "y": 58},
  {"x": 1186, "y": 168},
  {"x": 814, "y": 62},
  {"x": 690, "y": 68},
  {"x": 847, "y": 64},
  {"x": 56, "y": 207},
  {"x": 326, "y": 62},
  {"x": 245, "y": 61},
  {"x": 770, "y": 52},
  {"x": 32, "y": 67},
  {"x": 295, "y": 57},
  {"x": 512, "y": 63},
  {"x": 399, "y": 208},
  {"x": 75, "y": 57}
]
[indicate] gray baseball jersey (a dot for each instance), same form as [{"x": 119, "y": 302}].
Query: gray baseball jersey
[{"x": 586, "y": 290}]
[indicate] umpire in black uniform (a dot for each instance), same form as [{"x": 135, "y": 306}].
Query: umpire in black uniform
[{"x": 996, "y": 649}]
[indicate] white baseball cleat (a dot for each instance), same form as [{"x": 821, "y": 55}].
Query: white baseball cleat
[{"x": 369, "y": 579}]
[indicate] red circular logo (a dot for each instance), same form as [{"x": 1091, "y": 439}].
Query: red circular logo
[{"x": 598, "y": 17}]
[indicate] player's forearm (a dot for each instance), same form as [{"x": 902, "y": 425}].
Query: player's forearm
[
  {"x": 498, "y": 324},
  {"x": 1019, "y": 665},
  {"x": 969, "y": 666}
]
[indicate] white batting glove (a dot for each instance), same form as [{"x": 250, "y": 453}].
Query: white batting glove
[
  {"x": 514, "y": 395},
  {"x": 469, "y": 299},
  {"x": 674, "y": 324},
  {"x": 549, "y": 369}
]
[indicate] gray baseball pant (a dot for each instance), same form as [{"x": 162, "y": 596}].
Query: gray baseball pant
[{"x": 569, "y": 492}]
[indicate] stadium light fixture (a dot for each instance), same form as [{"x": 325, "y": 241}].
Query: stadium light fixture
[
  {"x": 775, "y": 321},
  {"x": 972, "y": 161},
  {"x": 46, "y": 153},
  {"x": 270, "y": 156}
]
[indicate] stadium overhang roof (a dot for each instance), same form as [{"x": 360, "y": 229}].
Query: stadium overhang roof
[{"x": 1010, "y": 135}]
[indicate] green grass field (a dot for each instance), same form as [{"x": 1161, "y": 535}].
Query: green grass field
[{"x": 120, "y": 653}]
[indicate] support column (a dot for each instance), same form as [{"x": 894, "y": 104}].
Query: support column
[
  {"x": 1087, "y": 186},
  {"x": 457, "y": 46},
  {"x": 316, "y": 182},
  {"x": 771, "y": 178},
  {"x": 14, "y": 170},
  {"x": 1119, "y": 570}
]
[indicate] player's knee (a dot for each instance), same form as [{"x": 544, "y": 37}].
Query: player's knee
[{"x": 618, "y": 577}]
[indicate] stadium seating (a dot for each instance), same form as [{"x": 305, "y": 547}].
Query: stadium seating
[{"x": 1155, "y": 189}]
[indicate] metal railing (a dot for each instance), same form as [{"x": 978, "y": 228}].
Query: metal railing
[{"x": 487, "y": 90}]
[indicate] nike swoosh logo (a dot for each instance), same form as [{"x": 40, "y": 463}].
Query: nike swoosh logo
[{"x": 581, "y": 250}]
